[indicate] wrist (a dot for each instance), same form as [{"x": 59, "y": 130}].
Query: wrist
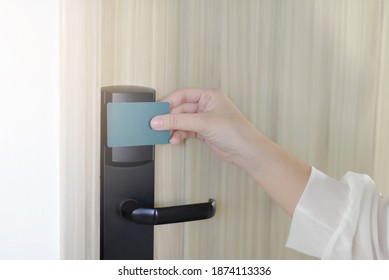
[{"x": 252, "y": 151}]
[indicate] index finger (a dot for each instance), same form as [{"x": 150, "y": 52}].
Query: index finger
[{"x": 185, "y": 95}]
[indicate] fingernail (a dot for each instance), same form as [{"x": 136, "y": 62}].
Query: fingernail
[
  {"x": 156, "y": 123},
  {"x": 173, "y": 141}
]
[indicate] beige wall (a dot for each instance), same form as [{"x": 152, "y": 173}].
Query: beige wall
[{"x": 309, "y": 74}]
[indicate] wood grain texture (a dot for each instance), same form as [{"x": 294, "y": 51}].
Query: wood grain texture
[{"x": 310, "y": 74}]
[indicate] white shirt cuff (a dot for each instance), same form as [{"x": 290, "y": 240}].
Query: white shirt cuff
[{"x": 324, "y": 220}]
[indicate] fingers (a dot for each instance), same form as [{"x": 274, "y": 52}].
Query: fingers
[
  {"x": 179, "y": 135},
  {"x": 186, "y": 95},
  {"x": 187, "y": 122},
  {"x": 185, "y": 108},
  {"x": 185, "y": 119}
]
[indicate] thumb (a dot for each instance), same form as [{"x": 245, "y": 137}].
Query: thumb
[{"x": 187, "y": 122}]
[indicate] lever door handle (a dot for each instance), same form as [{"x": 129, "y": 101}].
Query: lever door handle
[{"x": 130, "y": 209}]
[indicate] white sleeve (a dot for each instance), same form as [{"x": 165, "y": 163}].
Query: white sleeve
[{"x": 345, "y": 219}]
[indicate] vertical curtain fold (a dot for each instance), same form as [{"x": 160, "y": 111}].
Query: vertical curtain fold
[
  {"x": 381, "y": 155},
  {"x": 79, "y": 131}
]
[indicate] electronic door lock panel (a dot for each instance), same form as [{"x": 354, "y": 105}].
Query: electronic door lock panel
[{"x": 127, "y": 213}]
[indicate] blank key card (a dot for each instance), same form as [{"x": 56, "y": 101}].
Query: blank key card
[{"x": 128, "y": 124}]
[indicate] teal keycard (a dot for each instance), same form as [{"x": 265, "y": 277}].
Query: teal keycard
[{"x": 128, "y": 124}]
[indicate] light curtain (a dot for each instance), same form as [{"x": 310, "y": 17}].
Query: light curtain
[{"x": 312, "y": 75}]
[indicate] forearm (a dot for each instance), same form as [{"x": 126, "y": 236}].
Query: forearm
[{"x": 282, "y": 175}]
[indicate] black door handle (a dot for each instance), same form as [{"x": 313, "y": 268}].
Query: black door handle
[{"x": 130, "y": 209}]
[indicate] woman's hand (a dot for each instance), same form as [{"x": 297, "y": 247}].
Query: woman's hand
[{"x": 209, "y": 115}]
